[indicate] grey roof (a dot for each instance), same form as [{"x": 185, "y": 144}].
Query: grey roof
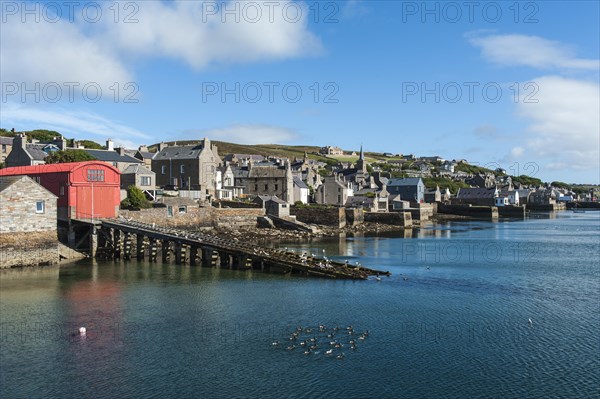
[
  {"x": 7, "y": 181},
  {"x": 276, "y": 200},
  {"x": 408, "y": 181},
  {"x": 137, "y": 169},
  {"x": 240, "y": 173},
  {"x": 230, "y": 157},
  {"x": 267, "y": 170},
  {"x": 298, "y": 182},
  {"x": 36, "y": 151},
  {"x": 180, "y": 152},
  {"x": 111, "y": 156},
  {"x": 6, "y": 140},
  {"x": 146, "y": 154},
  {"x": 359, "y": 200},
  {"x": 472, "y": 193}
]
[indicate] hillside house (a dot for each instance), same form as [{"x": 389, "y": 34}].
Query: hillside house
[{"x": 329, "y": 150}]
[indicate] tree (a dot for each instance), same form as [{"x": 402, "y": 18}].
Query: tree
[
  {"x": 69, "y": 156},
  {"x": 136, "y": 198},
  {"x": 92, "y": 145}
]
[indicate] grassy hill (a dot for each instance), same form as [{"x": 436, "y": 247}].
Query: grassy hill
[{"x": 278, "y": 150}]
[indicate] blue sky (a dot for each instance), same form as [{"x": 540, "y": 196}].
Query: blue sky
[{"x": 395, "y": 76}]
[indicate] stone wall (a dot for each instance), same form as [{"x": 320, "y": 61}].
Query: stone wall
[
  {"x": 403, "y": 219},
  {"x": 481, "y": 212},
  {"x": 197, "y": 217},
  {"x": 354, "y": 216},
  {"x": 236, "y": 204},
  {"x": 28, "y": 249},
  {"x": 335, "y": 217}
]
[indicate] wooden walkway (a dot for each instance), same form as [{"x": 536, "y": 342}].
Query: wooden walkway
[{"x": 211, "y": 250}]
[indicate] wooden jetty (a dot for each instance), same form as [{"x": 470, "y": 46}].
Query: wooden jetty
[{"x": 125, "y": 239}]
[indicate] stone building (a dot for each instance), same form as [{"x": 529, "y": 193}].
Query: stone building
[
  {"x": 6, "y": 144},
  {"x": 25, "y": 206},
  {"x": 329, "y": 150},
  {"x": 410, "y": 189},
  {"x": 28, "y": 154},
  {"x": 144, "y": 155},
  {"x": 334, "y": 191},
  {"x": 477, "y": 196},
  {"x": 267, "y": 178},
  {"x": 140, "y": 176},
  {"x": 188, "y": 167},
  {"x": 358, "y": 175}
]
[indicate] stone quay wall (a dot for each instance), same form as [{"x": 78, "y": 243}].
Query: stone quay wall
[
  {"x": 335, "y": 217},
  {"x": 29, "y": 249},
  {"x": 403, "y": 219},
  {"x": 197, "y": 217}
]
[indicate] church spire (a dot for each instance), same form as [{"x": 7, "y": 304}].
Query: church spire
[{"x": 361, "y": 157}]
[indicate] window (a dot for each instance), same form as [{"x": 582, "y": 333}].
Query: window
[
  {"x": 95, "y": 175},
  {"x": 40, "y": 207},
  {"x": 256, "y": 187},
  {"x": 276, "y": 187},
  {"x": 266, "y": 187},
  {"x": 62, "y": 190},
  {"x": 4, "y": 148},
  {"x": 182, "y": 169},
  {"x": 146, "y": 180},
  {"x": 163, "y": 169},
  {"x": 182, "y": 209},
  {"x": 169, "y": 211}
]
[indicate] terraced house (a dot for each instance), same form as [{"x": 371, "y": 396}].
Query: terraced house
[{"x": 191, "y": 167}]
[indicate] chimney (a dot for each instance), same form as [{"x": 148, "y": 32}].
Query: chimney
[
  {"x": 143, "y": 148},
  {"x": 60, "y": 142},
  {"x": 121, "y": 151},
  {"x": 162, "y": 146},
  {"x": 20, "y": 141},
  {"x": 110, "y": 146}
]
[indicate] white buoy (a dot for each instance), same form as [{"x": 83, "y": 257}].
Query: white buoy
[
  {"x": 530, "y": 321},
  {"x": 82, "y": 330}
]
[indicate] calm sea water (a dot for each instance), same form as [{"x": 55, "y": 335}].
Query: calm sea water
[{"x": 451, "y": 322}]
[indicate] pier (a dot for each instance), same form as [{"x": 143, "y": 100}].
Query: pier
[{"x": 122, "y": 239}]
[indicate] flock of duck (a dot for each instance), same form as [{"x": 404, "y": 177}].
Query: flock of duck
[{"x": 329, "y": 342}]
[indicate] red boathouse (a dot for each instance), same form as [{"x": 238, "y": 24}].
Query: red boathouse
[{"x": 85, "y": 189}]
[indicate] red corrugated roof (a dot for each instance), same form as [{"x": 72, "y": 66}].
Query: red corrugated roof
[{"x": 52, "y": 168}]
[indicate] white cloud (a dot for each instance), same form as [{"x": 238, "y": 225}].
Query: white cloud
[
  {"x": 250, "y": 134},
  {"x": 80, "y": 125},
  {"x": 56, "y": 52},
  {"x": 564, "y": 124},
  {"x": 199, "y": 35},
  {"x": 516, "y": 152},
  {"x": 532, "y": 51},
  {"x": 86, "y": 52}
]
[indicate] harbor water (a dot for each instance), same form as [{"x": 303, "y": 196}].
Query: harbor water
[{"x": 472, "y": 309}]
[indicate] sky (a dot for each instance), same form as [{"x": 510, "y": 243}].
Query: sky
[{"x": 499, "y": 83}]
